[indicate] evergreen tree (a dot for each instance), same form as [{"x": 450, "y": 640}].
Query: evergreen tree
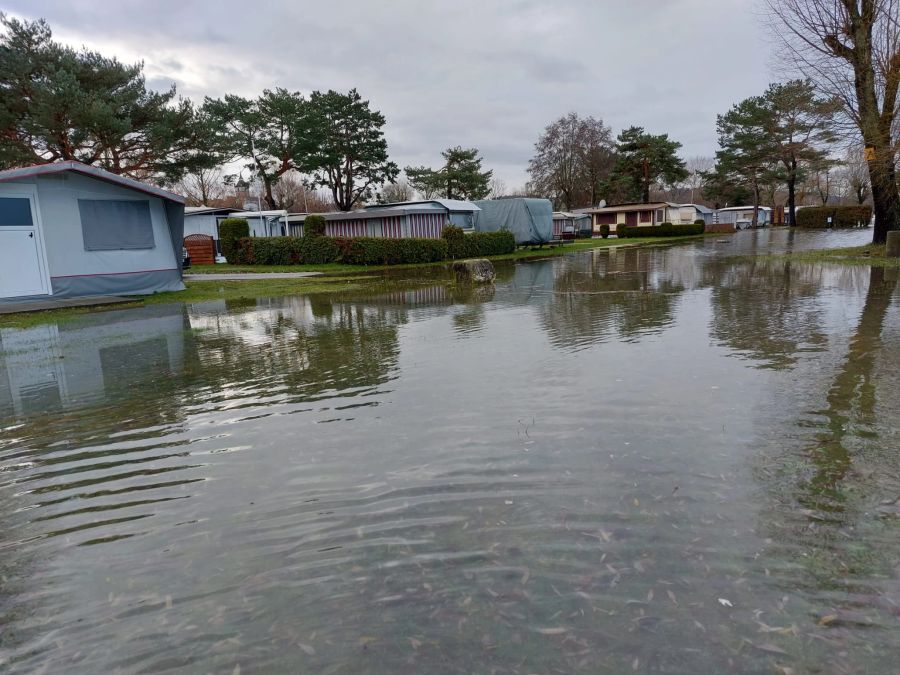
[
  {"x": 747, "y": 152},
  {"x": 461, "y": 177},
  {"x": 799, "y": 128},
  {"x": 644, "y": 159},
  {"x": 351, "y": 157},
  {"x": 274, "y": 133},
  {"x": 60, "y": 104}
]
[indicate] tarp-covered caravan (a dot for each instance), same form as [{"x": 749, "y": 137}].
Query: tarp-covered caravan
[
  {"x": 530, "y": 220},
  {"x": 70, "y": 230}
]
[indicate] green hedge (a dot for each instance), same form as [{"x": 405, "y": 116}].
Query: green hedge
[
  {"x": 664, "y": 230},
  {"x": 383, "y": 251},
  {"x": 318, "y": 250},
  {"x": 287, "y": 251},
  {"x": 477, "y": 244},
  {"x": 604, "y": 231},
  {"x": 841, "y": 216},
  {"x": 231, "y": 231},
  {"x": 620, "y": 230}
]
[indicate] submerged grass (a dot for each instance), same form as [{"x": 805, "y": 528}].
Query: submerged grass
[
  {"x": 197, "y": 291},
  {"x": 336, "y": 278},
  {"x": 870, "y": 254}
]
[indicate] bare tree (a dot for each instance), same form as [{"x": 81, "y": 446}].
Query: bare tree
[
  {"x": 851, "y": 50},
  {"x": 572, "y": 157},
  {"x": 202, "y": 187},
  {"x": 856, "y": 174},
  {"x": 399, "y": 191},
  {"x": 294, "y": 194},
  {"x": 498, "y": 188},
  {"x": 697, "y": 168},
  {"x": 824, "y": 181}
]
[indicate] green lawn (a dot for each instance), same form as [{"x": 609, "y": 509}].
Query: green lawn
[{"x": 521, "y": 254}]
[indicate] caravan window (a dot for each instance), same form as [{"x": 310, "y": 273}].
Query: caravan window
[
  {"x": 15, "y": 211},
  {"x": 115, "y": 225}
]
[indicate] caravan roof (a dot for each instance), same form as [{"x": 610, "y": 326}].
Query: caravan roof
[
  {"x": 93, "y": 172},
  {"x": 449, "y": 204}
]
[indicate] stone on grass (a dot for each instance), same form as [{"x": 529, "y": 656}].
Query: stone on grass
[
  {"x": 475, "y": 271},
  {"x": 892, "y": 250}
]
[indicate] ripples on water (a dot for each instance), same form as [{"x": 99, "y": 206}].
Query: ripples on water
[{"x": 650, "y": 459}]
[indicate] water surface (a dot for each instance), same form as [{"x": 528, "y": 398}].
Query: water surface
[{"x": 655, "y": 459}]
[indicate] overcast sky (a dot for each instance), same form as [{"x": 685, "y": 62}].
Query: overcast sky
[{"x": 483, "y": 73}]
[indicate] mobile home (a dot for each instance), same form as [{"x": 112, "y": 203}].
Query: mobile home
[
  {"x": 742, "y": 216},
  {"x": 205, "y": 220},
  {"x": 424, "y": 219},
  {"x": 70, "y": 230}
]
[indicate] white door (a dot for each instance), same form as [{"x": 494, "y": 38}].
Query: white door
[{"x": 21, "y": 255}]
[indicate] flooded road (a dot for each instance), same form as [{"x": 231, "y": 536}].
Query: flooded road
[{"x": 649, "y": 459}]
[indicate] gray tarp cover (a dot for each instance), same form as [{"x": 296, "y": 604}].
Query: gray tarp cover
[{"x": 530, "y": 220}]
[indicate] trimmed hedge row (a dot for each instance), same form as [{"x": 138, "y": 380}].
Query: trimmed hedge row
[
  {"x": 841, "y": 216},
  {"x": 663, "y": 230},
  {"x": 286, "y": 251},
  {"x": 477, "y": 244},
  {"x": 318, "y": 250},
  {"x": 383, "y": 251}
]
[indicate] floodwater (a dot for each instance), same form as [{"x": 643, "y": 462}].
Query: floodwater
[{"x": 658, "y": 460}]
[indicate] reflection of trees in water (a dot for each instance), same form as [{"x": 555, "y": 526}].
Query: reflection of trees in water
[
  {"x": 834, "y": 491},
  {"x": 767, "y": 311},
  {"x": 598, "y": 297},
  {"x": 851, "y": 398},
  {"x": 337, "y": 346}
]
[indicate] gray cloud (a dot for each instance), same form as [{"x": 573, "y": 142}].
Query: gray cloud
[{"x": 479, "y": 73}]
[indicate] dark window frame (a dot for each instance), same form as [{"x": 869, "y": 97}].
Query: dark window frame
[{"x": 105, "y": 224}]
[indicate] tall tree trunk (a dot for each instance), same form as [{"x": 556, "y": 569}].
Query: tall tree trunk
[
  {"x": 875, "y": 124},
  {"x": 270, "y": 198},
  {"x": 792, "y": 193},
  {"x": 755, "y": 204},
  {"x": 885, "y": 197}
]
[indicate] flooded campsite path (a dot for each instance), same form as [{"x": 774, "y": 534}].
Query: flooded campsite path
[{"x": 658, "y": 459}]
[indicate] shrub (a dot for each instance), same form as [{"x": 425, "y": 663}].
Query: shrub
[
  {"x": 456, "y": 240},
  {"x": 841, "y": 216},
  {"x": 620, "y": 230},
  {"x": 699, "y": 221},
  {"x": 663, "y": 230},
  {"x": 231, "y": 230},
  {"x": 477, "y": 244},
  {"x": 604, "y": 231},
  {"x": 314, "y": 226}
]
